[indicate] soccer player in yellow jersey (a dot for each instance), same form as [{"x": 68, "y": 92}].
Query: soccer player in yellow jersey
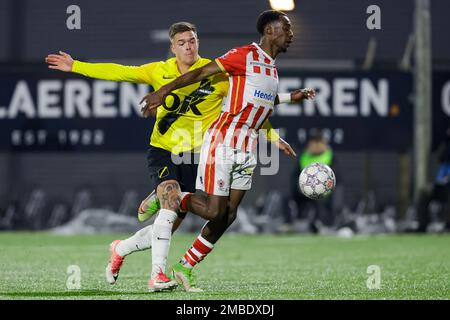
[{"x": 179, "y": 127}]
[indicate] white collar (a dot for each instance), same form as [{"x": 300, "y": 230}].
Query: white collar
[{"x": 264, "y": 53}]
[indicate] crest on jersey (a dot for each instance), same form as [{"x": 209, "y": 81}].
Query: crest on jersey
[
  {"x": 163, "y": 172},
  {"x": 220, "y": 183}
]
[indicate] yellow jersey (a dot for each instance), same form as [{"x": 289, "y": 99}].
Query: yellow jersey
[{"x": 186, "y": 113}]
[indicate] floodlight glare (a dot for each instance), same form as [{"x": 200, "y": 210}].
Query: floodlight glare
[{"x": 282, "y": 5}]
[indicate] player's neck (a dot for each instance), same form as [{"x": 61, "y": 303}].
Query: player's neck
[
  {"x": 268, "y": 48},
  {"x": 184, "y": 68}
]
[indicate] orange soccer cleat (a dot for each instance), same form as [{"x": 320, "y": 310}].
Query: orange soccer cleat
[
  {"x": 115, "y": 262},
  {"x": 161, "y": 283}
]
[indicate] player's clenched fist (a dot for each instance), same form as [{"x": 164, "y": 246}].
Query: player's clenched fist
[{"x": 61, "y": 61}]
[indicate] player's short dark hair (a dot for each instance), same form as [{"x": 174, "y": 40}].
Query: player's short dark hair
[
  {"x": 182, "y": 26},
  {"x": 267, "y": 17}
]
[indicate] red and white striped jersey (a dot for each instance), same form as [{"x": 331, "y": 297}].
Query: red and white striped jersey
[{"x": 253, "y": 88}]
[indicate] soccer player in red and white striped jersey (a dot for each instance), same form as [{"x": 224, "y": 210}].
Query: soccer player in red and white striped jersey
[{"x": 227, "y": 157}]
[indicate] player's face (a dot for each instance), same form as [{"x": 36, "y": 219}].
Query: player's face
[
  {"x": 185, "y": 47},
  {"x": 282, "y": 33}
]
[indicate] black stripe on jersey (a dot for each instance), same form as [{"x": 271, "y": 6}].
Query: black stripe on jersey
[{"x": 179, "y": 109}]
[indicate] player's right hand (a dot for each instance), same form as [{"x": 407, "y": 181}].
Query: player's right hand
[
  {"x": 61, "y": 61},
  {"x": 151, "y": 101},
  {"x": 286, "y": 148}
]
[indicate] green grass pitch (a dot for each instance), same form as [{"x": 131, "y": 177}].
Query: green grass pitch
[{"x": 34, "y": 266}]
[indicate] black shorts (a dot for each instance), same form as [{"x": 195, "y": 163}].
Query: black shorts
[{"x": 162, "y": 168}]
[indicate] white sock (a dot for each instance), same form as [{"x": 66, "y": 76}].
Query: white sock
[
  {"x": 162, "y": 234},
  {"x": 141, "y": 240}
]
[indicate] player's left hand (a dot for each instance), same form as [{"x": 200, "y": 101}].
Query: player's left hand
[
  {"x": 151, "y": 102},
  {"x": 286, "y": 148},
  {"x": 301, "y": 94}
]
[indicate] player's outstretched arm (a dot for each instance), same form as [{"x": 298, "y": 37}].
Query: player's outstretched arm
[
  {"x": 103, "y": 71},
  {"x": 275, "y": 138},
  {"x": 61, "y": 61},
  {"x": 156, "y": 98},
  {"x": 285, "y": 147}
]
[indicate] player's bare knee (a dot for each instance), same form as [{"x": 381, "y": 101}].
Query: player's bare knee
[
  {"x": 217, "y": 208},
  {"x": 216, "y": 213},
  {"x": 169, "y": 195},
  {"x": 212, "y": 213}
]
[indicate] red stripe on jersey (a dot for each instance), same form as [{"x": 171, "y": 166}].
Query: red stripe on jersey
[
  {"x": 242, "y": 120},
  {"x": 241, "y": 93},
  {"x": 264, "y": 120},
  {"x": 254, "y": 122},
  {"x": 215, "y": 122},
  {"x": 238, "y": 94},
  {"x": 256, "y": 69},
  {"x": 223, "y": 130},
  {"x": 234, "y": 92},
  {"x": 275, "y": 73},
  {"x": 201, "y": 247},
  {"x": 267, "y": 72},
  {"x": 257, "y": 115},
  {"x": 255, "y": 141}
]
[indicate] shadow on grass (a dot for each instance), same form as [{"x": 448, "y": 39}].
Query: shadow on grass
[{"x": 72, "y": 293}]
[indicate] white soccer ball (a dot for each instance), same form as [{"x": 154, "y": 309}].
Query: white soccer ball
[{"x": 317, "y": 181}]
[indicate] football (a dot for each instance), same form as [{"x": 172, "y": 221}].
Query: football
[{"x": 317, "y": 181}]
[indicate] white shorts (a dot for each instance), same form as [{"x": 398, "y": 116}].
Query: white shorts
[{"x": 223, "y": 169}]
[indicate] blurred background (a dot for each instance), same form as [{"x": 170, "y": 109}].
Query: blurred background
[{"x": 73, "y": 149}]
